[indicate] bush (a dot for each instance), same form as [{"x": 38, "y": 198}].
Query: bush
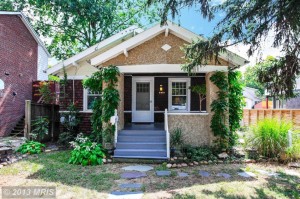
[
  {"x": 86, "y": 152},
  {"x": 176, "y": 139},
  {"x": 31, "y": 147},
  {"x": 269, "y": 137},
  {"x": 293, "y": 152},
  {"x": 199, "y": 153},
  {"x": 40, "y": 128}
]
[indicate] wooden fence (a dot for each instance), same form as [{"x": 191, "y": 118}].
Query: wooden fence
[
  {"x": 251, "y": 116},
  {"x": 51, "y": 111}
]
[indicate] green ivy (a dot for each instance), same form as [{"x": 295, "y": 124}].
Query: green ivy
[
  {"x": 227, "y": 108},
  {"x": 31, "y": 147},
  {"x": 104, "y": 108}
]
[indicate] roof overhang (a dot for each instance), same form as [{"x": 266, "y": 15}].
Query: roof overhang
[
  {"x": 93, "y": 49},
  {"x": 29, "y": 27}
]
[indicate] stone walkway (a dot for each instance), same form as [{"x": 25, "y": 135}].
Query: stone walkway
[{"x": 140, "y": 171}]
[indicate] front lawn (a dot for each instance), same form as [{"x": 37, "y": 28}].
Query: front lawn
[{"x": 74, "y": 181}]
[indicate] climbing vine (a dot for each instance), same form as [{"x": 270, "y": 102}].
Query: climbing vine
[
  {"x": 104, "y": 107},
  {"x": 227, "y": 108}
]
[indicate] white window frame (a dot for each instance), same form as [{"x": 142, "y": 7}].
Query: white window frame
[
  {"x": 85, "y": 100},
  {"x": 188, "y": 93}
]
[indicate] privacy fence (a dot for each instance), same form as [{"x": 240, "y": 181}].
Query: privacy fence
[
  {"x": 34, "y": 111},
  {"x": 252, "y": 116}
]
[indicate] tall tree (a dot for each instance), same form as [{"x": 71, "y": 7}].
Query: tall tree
[
  {"x": 70, "y": 26},
  {"x": 247, "y": 22}
]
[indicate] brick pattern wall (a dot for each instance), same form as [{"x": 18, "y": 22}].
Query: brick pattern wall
[{"x": 18, "y": 58}]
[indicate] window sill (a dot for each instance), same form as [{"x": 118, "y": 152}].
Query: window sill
[{"x": 188, "y": 113}]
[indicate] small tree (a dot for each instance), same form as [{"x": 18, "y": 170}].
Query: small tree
[{"x": 200, "y": 89}]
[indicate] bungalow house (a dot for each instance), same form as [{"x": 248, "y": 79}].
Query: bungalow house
[
  {"x": 154, "y": 90},
  {"x": 23, "y": 59}
]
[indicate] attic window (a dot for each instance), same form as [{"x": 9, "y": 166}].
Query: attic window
[{"x": 166, "y": 47}]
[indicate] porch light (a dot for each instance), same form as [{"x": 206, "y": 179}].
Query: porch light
[{"x": 161, "y": 89}]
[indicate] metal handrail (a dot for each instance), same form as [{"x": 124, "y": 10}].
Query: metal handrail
[{"x": 167, "y": 133}]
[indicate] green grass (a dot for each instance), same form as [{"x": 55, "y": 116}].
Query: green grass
[{"x": 75, "y": 181}]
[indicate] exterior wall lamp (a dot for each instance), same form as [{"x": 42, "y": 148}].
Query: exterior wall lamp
[{"x": 161, "y": 89}]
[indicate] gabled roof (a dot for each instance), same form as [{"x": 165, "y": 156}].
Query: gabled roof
[
  {"x": 250, "y": 93},
  {"x": 111, "y": 48},
  {"x": 29, "y": 27},
  {"x": 153, "y": 32},
  {"x": 97, "y": 48}
]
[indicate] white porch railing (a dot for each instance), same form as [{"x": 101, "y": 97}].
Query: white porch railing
[
  {"x": 114, "y": 121},
  {"x": 167, "y": 133}
]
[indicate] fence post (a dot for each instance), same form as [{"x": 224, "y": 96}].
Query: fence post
[
  {"x": 27, "y": 129},
  {"x": 290, "y": 139}
]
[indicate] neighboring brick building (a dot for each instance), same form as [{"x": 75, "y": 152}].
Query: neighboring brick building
[{"x": 23, "y": 59}]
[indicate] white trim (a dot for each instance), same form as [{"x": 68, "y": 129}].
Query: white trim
[
  {"x": 68, "y": 62},
  {"x": 188, "y": 93},
  {"x": 77, "y": 77},
  {"x": 167, "y": 68},
  {"x": 153, "y": 32},
  {"x": 133, "y": 105},
  {"x": 29, "y": 27}
]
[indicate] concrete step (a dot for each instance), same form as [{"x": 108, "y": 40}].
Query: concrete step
[
  {"x": 141, "y": 152},
  {"x": 141, "y": 139},
  {"x": 138, "y": 145},
  {"x": 131, "y": 159},
  {"x": 142, "y": 132}
]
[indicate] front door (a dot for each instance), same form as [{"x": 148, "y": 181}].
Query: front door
[{"x": 142, "y": 99}]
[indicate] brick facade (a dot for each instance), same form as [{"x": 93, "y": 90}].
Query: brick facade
[
  {"x": 67, "y": 98},
  {"x": 18, "y": 58}
]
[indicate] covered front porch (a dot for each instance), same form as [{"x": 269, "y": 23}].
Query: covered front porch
[{"x": 154, "y": 104}]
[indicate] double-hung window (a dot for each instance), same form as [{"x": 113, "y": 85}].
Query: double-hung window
[
  {"x": 179, "y": 94},
  {"x": 89, "y": 99}
]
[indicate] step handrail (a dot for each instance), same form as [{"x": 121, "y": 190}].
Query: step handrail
[
  {"x": 114, "y": 121},
  {"x": 167, "y": 133}
]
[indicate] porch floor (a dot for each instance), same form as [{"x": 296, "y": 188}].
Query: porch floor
[{"x": 144, "y": 126}]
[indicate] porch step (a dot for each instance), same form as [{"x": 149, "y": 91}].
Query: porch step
[
  {"x": 147, "y": 145},
  {"x": 141, "y": 153},
  {"x": 141, "y": 144},
  {"x": 131, "y": 159},
  {"x": 141, "y": 138}
]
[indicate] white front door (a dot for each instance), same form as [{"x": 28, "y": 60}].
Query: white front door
[{"x": 142, "y": 99}]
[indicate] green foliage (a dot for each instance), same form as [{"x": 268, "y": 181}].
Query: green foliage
[
  {"x": 176, "y": 139},
  {"x": 277, "y": 76},
  {"x": 31, "y": 147},
  {"x": 86, "y": 152},
  {"x": 74, "y": 25},
  {"x": 269, "y": 137},
  {"x": 204, "y": 153},
  {"x": 70, "y": 125},
  {"x": 293, "y": 152},
  {"x": 250, "y": 80},
  {"x": 220, "y": 110},
  {"x": 200, "y": 89},
  {"x": 45, "y": 91},
  {"x": 248, "y": 23},
  {"x": 104, "y": 107},
  {"x": 40, "y": 128},
  {"x": 236, "y": 100}
]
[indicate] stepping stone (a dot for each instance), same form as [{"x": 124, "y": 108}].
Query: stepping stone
[
  {"x": 163, "y": 173},
  {"x": 141, "y": 168},
  {"x": 270, "y": 174},
  {"x": 246, "y": 174},
  {"x": 132, "y": 175},
  {"x": 182, "y": 174},
  {"x": 125, "y": 195},
  {"x": 131, "y": 186},
  {"x": 225, "y": 175},
  {"x": 204, "y": 174}
]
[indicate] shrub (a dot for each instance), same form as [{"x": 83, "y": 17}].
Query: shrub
[
  {"x": 199, "y": 153},
  {"x": 31, "y": 147},
  {"x": 293, "y": 152},
  {"x": 40, "y": 128},
  {"x": 269, "y": 137},
  {"x": 86, "y": 152},
  {"x": 176, "y": 139}
]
